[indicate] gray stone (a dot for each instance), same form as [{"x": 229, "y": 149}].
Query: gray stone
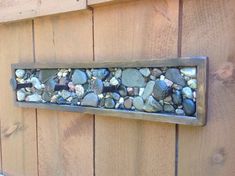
[
  {"x": 168, "y": 108},
  {"x": 192, "y": 83},
  {"x": 148, "y": 89},
  {"x": 109, "y": 103},
  {"x": 152, "y": 105},
  {"x": 79, "y": 77},
  {"x": 138, "y": 103},
  {"x": 145, "y": 72},
  {"x": 34, "y": 98},
  {"x": 115, "y": 96},
  {"x": 189, "y": 71},
  {"x": 187, "y": 92},
  {"x": 160, "y": 90},
  {"x": 65, "y": 94},
  {"x": 21, "y": 94},
  {"x": 50, "y": 85},
  {"x": 20, "y": 73},
  {"x": 189, "y": 107},
  {"x": 46, "y": 96},
  {"x": 174, "y": 75},
  {"x": 97, "y": 86},
  {"x": 177, "y": 98},
  {"x": 132, "y": 78},
  {"x": 128, "y": 103},
  {"x": 88, "y": 73},
  {"x": 60, "y": 100},
  {"x": 46, "y": 74},
  {"x": 100, "y": 73},
  {"x": 114, "y": 81},
  {"x": 118, "y": 73},
  {"x": 122, "y": 91},
  {"x": 156, "y": 72},
  {"x": 179, "y": 112},
  {"x": 91, "y": 99}
]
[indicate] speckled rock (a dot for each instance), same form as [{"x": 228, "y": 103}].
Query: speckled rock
[
  {"x": 133, "y": 78},
  {"x": 128, "y": 103},
  {"x": 79, "y": 77},
  {"x": 174, "y": 75},
  {"x": 189, "y": 107},
  {"x": 160, "y": 90},
  {"x": 79, "y": 90},
  {"x": 91, "y": 99},
  {"x": 138, "y": 103}
]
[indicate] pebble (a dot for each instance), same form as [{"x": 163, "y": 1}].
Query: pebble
[
  {"x": 91, "y": 99},
  {"x": 192, "y": 83},
  {"x": 130, "y": 91},
  {"x": 194, "y": 94},
  {"x": 89, "y": 74},
  {"x": 63, "y": 81},
  {"x": 21, "y": 94},
  {"x": 133, "y": 78},
  {"x": 71, "y": 86},
  {"x": 145, "y": 72},
  {"x": 114, "y": 81},
  {"x": 128, "y": 103},
  {"x": 46, "y": 96},
  {"x": 160, "y": 90},
  {"x": 189, "y": 107},
  {"x": 118, "y": 73},
  {"x": 156, "y": 72},
  {"x": 34, "y": 98},
  {"x": 179, "y": 112},
  {"x": 54, "y": 98},
  {"x": 141, "y": 91},
  {"x": 168, "y": 82},
  {"x": 138, "y": 103},
  {"x": 65, "y": 94},
  {"x": 20, "y": 73},
  {"x": 187, "y": 92},
  {"x": 148, "y": 89},
  {"x": 121, "y": 100},
  {"x": 36, "y": 83},
  {"x": 174, "y": 75},
  {"x": 115, "y": 96},
  {"x": 79, "y": 90},
  {"x": 100, "y": 73},
  {"x": 50, "y": 85},
  {"x": 162, "y": 77},
  {"x": 122, "y": 91},
  {"x": 60, "y": 100},
  {"x": 46, "y": 74},
  {"x": 79, "y": 77},
  {"x": 168, "y": 108},
  {"x": 136, "y": 91},
  {"x": 109, "y": 103},
  {"x": 189, "y": 71},
  {"x": 177, "y": 98},
  {"x": 152, "y": 105},
  {"x": 97, "y": 86}
]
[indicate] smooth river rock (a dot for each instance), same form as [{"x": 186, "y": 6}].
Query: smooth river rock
[
  {"x": 187, "y": 92},
  {"x": 138, "y": 103},
  {"x": 148, "y": 89},
  {"x": 160, "y": 90},
  {"x": 79, "y": 77},
  {"x": 109, "y": 103},
  {"x": 20, "y": 73},
  {"x": 152, "y": 105},
  {"x": 174, "y": 75},
  {"x": 91, "y": 99},
  {"x": 189, "y": 71},
  {"x": 101, "y": 73},
  {"x": 133, "y": 78},
  {"x": 177, "y": 98},
  {"x": 34, "y": 98},
  {"x": 189, "y": 107},
  {"x": 46, "y": 74},
  {"x": 192, "y": 83},
  {"x": 97, "y": 86},
  {"x": 145, "y": 72}
]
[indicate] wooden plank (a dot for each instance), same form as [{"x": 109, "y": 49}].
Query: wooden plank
[
  {"x": 104, "y": 2},
  {"x": 18, "y": 126},
  {"x": 65, "y": 140},
  {"x": 208, "y": 29},
  {"x": 17, "y": 10},
  {"x": 132, "y": 31}
]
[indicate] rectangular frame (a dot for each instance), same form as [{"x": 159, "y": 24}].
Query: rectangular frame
[{"x": 201, "y": 63}]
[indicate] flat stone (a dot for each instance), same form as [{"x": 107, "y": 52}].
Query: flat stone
[
  {"x": 179, "y": 112},
  {"x": 145, "y": 72},
  {"x": 101, "y": 73},
  {"x": 118, "y": 73},
  {"x": 168, "y": 108},
  {"x": 187, "y": 92},
  {"x": 20, "y": 73},
  {"x": 152, "y": 105},
  {"x": 46, "y": 74},
  {"x": 109, "y": 103},
  {"x": 189, "y": 71},
  {"x": 160, "y": 90},
  {"x": 128, "y": 103},
  {"x": 138, "y": 103},
  {"x": 34, "y": 98},
  {"x": 20, "y": 95},
  {"x": 97, "y": 86},
  {"x": 79, "y": 77},
  {"x": 156, "y": 72},
  {"x": 148, "y": 89},
  {"x": 189, "y": 107},
  {"x": 192, "y": 83},
  {"x": 133, "y": 78},
  {"x": 177, "y": 98},
  {"x": 91, "y": 99},
  {"x": 174, "y": 75}
]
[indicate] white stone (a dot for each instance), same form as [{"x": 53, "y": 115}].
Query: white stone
[
  {"x": 121, "y": 100},
  {"x": 20, "y": 94},
  {"x": 114, "y": 81},
  {"x": 54, "y": 98},
  {"x": 192, "y": 83},
  {"x": 69, "y": 99},
  {"x": 141, "y": 91},
  {"x": 20, "y": 73},
  {"x": 60, "y": 74},
  {"x": 34, "y": 98},
  {"x": 162, "y": 77},
  {"x": 36, "y": 83},
  {"x": 101, "y": 96},
  {"x": 79, "y": 90},
  {"x": 189, "y": 71}
]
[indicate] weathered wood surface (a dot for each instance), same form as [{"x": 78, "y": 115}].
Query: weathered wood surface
[
  {"x": 131, "y": 31},
  {"x": 65, "y": 140},
  {"x": 18, "y": 126},
  {"x": 12, "y": 10},
  {"x": 208, "y": 29}
]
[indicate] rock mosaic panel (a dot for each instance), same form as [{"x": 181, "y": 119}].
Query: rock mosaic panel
[{"x": 168, "y": 90}]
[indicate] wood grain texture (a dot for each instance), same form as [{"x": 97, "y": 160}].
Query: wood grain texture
[
  {"x": 18, "y": 126},
  {"x": 208, "y": 29},
  {"x": 65, "y": 140},
  {"x": 131, "y": 31},
  {"x": 104, "y": 2},
  {"x": 17, "y": 10}
]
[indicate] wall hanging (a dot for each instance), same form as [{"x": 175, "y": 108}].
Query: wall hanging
[{"x": 164, "y": 90}]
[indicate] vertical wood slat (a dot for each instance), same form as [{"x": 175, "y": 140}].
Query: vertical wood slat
[
  {"x": 18, "y": 126},
  {"x": 23, "y": 9},
  {"x": 208, "y": 29},
  {"x": 135, "y": 30},
  {"x": 65, "y": 140}
]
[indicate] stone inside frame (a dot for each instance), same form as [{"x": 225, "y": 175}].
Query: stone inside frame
[{"x": 170, "y": 90}]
